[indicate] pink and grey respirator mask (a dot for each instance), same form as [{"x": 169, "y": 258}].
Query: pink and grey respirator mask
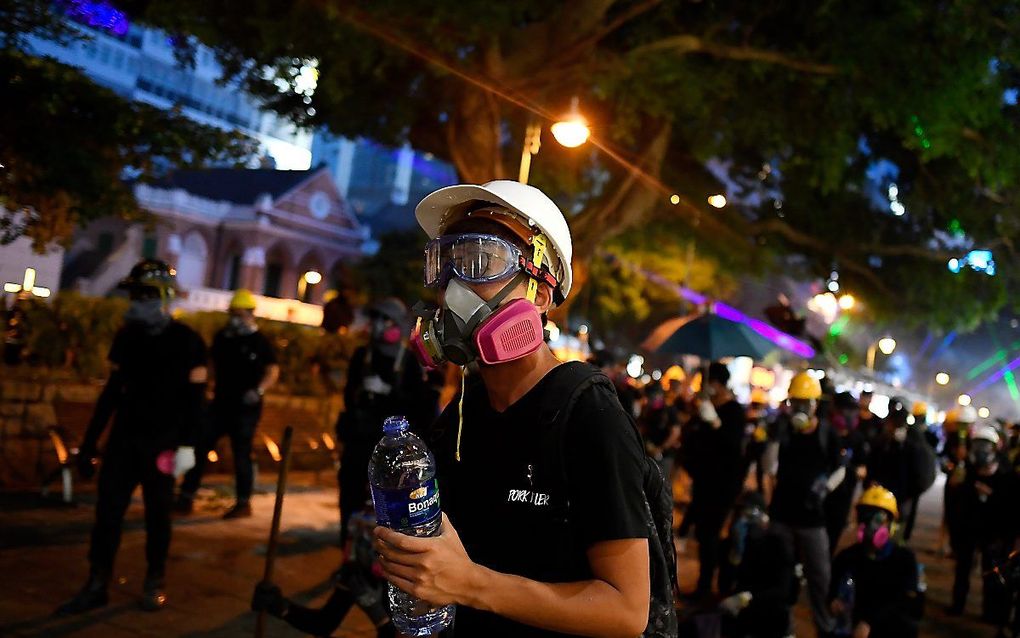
[
  {"x": 875, "y": 528},
  {"x": 468, "y": 328}
]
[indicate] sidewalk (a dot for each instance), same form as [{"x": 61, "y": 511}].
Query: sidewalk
[{"x": 214, "y": 564}]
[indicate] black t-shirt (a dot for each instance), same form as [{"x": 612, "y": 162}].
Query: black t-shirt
[
  {"x": 803, "y": 459},
  {"x": 506, "y": 499},
  {"x": 154, "y": 372},
  {"x": 884, "y": 588},
  {"x": 240, "y": 363}
]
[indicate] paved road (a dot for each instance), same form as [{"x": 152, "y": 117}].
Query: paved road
[{"x": 214, "y": 564}]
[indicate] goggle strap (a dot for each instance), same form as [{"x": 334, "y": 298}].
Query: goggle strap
[{"x": 538, "y": 248}]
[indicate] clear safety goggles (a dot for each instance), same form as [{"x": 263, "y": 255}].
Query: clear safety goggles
[{"x": 471, "y": 257}]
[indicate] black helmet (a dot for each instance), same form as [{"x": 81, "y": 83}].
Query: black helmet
[
  {"x": 151, "y": 273},
  {"x": 390, "y": 308},
  {"x": 899, "y": 410}
]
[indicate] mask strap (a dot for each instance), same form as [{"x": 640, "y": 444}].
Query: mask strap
[
  {"x": 460, "y": 411},
  {"x": 538, "y": 245}
]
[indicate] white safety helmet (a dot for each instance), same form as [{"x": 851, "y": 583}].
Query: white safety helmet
[
  {"x": 985, "y": 433},
  {"x": 968, "y": 415},
  {"x": 443, "y": 206}
]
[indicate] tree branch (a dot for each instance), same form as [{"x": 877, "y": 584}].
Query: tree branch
[
  {"x": 683, "y": 44},
  {"x": 586, "y": 43}
]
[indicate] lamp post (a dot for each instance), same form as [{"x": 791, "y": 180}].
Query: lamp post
[
  {"x": 571, "y": 131},
  {"x": 28, "y": 285},
  {"x": 886, "y": 345},
  {"x": 308, "y": 279}
]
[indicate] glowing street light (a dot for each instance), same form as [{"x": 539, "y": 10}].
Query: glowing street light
[
  {"x": 887, "y": 345},
  {"x": 942, "y": 378},
  {"x": 847, "y": 302},
  {"x": 964, "y": 400},
  {"x": 313, "y": 277},
  {"x": 674, "y": 199},
  {"x": 717, "y": 201},
  {"x": 984, "y": 412},
  {"x": 572, "y": 129},
  {"x": 27, "y": 285}
]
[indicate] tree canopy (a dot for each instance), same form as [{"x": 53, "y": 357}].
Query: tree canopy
[
  {"x": 71, "y": 148},
  {"x": 803, "y": 113}
]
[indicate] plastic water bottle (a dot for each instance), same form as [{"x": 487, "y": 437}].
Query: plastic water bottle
[
  {"x": 405, "y": 492},
  {"x": 846, "y": 594}
]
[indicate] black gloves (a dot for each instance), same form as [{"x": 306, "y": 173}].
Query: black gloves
[{"x": 267, "y": 597}]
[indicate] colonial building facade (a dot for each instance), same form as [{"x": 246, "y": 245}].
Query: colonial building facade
[{"x": 285, "y": 235}]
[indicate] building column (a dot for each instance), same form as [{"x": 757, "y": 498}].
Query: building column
[{"x": 253, "y": 269}]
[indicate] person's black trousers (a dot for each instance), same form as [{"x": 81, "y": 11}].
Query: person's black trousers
[
  {"x": 710, "y": 517},
  {"x": 353, "y": 482},
  {"x": 239, "y": 423},
  {"x": 125, "y": 466},
  {"x": 837, "y": 509},
  {"x": 995, "y": 597}
]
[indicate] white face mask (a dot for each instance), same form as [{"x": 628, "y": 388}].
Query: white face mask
[{"x": 900, "y": 435}]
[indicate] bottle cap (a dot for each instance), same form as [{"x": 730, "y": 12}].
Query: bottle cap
[{"x": 395, "y": 425}]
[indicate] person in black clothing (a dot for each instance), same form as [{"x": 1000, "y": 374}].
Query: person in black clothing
[
  {"x": 809, "y": 468},
  {"x": 244, "y": 363},
  {"x": 383, "y": 380},
  {"x": 757, "y": 575},
  {"x": 155, "y": 391},
  {"x": 758, "y": 437},
  {"x": 546, "y": 528},
  {"x": 869, "y": 424},
  {"x": 875, "y": 586},
  {"x": 988, "y": 523},
  {"x": 357, "y": 583},
  {"x": 839, "y": 502},
  {"x": 661, "y": 429},
  {"x": 720, "y": 479}
]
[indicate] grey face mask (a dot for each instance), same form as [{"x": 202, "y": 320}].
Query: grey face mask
[
  {"x": 239, "y": 327},
  {"x": 148, "y": 313}
]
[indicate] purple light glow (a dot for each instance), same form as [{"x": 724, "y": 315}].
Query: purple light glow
[{"x": 98, "y": 15}]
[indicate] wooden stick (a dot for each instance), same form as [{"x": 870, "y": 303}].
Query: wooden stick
[{"x": 274, "y": 531}]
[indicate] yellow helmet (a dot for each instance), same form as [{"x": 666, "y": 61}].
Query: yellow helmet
[
  {"x": 759, "y": 396},
  {"x": 878, "y": 496},
  {"x": 920, "y": 408},
  {"x": 242, "y": 300},
  {"x": 953, "y": 416},
  {"x": 804, "y": 386}
]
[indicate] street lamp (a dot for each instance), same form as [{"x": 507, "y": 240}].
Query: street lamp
[
  {"x": 310, "y": 278},
  {"x": 717, "y": 201},
  {"x": 886, "y": 344},
  {"x": 27, "y": 285},
  {"x": 942, "y": 378},
  {"x": 571, "y": 130},
  {"x": 964, "y": 400},
  {"x": 984, "y": 412},
  {"x": 847, "y": 302},
  {"x": 313, "y": 277}
]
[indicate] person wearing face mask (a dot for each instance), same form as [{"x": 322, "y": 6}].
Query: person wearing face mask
[
  {"x": 244, "y": 364},
  {"x": 757, "y": 575},
  {"x": 852, "y": 449},
  {"x": 876, "y": 587},
  {"x": 383, "y": 379},
  {"x": 953, "y": 455},
  {"x": 154, "y": 394},
  {"x": 809, "y": 469},
  {"x": 547, "y": 530},
  {"x": 903, "y": 462},
  {"x": 988, "y": 524},
  {"x": 718, "y": 483}
]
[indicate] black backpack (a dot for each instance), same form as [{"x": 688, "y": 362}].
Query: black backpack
[{"x": 572, "y": 380}]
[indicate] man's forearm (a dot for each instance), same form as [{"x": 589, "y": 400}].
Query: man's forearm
[
  {"x": 269, "y": 379},
  {"x": 585, "y": 608}
]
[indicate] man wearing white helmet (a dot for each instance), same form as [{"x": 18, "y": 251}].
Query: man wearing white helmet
[
  {"x": 540, "y": 469},
  {"x": 988, "y": 517}
]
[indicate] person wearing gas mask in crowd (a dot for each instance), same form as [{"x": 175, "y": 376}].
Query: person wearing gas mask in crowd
[
  {"x": 987, "y": 524},
  {"x": 757, "y": 431},
  {"x": 953, "y": 453},
  {"x": 757, "y": 575},
  {"x": 154, "y": 394},
  {"x": 661, "y": 428},
  {"x": 877, "y": 589},
  {"x": 383, "y": 379},
  {"x": 902, "y": 462},
  {"x": 527, "y": 437},
  {"x": 719, "y": 481},
  {"x": 809, "y": 469},
  {"x": 838, "y": 504},
  {"x": 244, "y": 366}
]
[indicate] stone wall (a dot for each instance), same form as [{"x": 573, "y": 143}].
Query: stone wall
[{"x": 39, "y": 412}]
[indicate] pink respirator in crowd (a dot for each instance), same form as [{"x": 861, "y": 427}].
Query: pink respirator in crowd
[{"x": 877, "y": 538}]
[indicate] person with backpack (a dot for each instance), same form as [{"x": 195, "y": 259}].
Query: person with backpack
[
  {"x": 839, "y": 502},
  {"x": 383, "y": 379},
  {"x": 757, "y": 575},
  {"x": 553, "y": 515},
  {"x": 877, "y": 590},
  {"x": 809, "y": 469}
]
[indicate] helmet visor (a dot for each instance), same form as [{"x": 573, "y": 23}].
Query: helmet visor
[{"x": 471, "y": 257}]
